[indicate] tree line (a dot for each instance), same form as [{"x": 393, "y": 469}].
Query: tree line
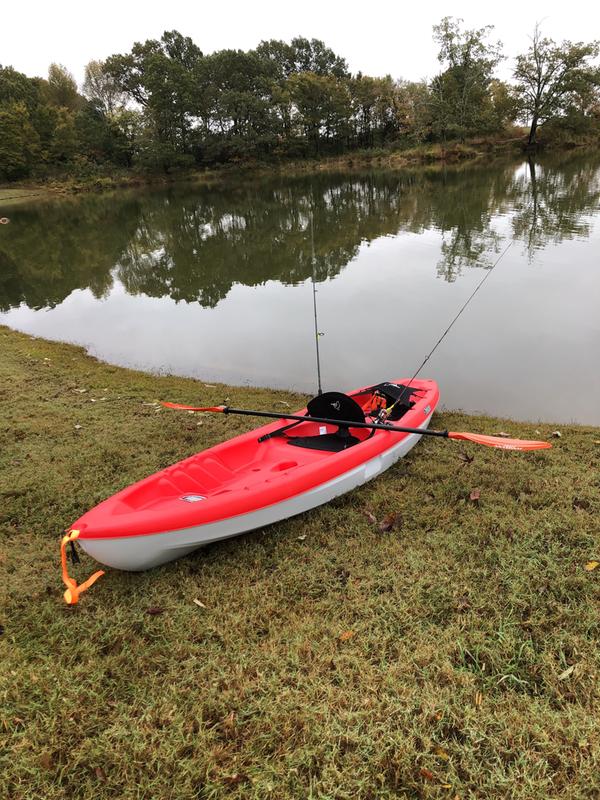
[{"x": 167, "y": 105}]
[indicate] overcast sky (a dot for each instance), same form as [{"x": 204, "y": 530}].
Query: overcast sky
[{"x": 376, "y": 38}]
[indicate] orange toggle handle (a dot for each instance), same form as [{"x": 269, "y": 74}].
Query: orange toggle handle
[{"x": 73, "y": 591}]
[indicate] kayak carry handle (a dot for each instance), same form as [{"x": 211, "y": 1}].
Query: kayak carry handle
[{"x": 73, "y": 590}]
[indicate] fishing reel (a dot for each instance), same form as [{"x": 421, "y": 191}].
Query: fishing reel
[{"x": 378, "y": 406}]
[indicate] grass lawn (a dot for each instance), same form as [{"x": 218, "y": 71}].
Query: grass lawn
[{"x": 453, "y": 656}]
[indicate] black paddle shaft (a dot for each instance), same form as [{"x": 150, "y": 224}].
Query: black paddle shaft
[{"x": 340, "y": 422}]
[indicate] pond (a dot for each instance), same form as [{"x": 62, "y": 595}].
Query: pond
[{"x": 217, "y": 282}]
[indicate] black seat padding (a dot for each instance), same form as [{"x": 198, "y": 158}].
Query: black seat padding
[{"x": 331, "y": 442}]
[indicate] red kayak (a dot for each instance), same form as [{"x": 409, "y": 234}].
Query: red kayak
[{"x": 263, "y": 476}]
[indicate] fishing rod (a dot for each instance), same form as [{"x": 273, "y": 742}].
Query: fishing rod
[
  {"x": 384, "y": 413},
  {"x": 314, "y": 288}
]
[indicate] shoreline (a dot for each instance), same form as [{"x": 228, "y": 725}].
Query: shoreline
[
  {"x": 274, "y": 394},
  {"x": 430, "y": 155}
]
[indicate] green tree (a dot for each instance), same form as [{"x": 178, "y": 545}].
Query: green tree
[
  {"x": 19, "y": 142},
  {"x": 374, "y": 108},
  {"x": 302, "y": 55},
  {"x": 322, "y": 107},
  {"x": 65, "y": 142},
  {"x": 461, "y": 101},
  {"x": 550, "y": 78},
  {"x": 62, "y": 88},
  {"x": 413, "y": 110},
  {"x": 239, "y": 93},
  {"x": 504, "y": 104},
  {"x": 160, "y": 76}
]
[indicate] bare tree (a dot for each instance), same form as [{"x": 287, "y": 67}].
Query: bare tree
[{"x": 100, "y": 87}]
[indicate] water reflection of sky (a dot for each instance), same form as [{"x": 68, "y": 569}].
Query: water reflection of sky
[{"x": 527, "y": 347}]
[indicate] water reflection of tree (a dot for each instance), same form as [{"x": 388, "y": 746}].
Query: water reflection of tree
[
  {"x": 552, "y": 201},
  {"x": 51, "y": 249},
  {"x": 194, "y": 245},
  {"x": 465, "y": 219}
]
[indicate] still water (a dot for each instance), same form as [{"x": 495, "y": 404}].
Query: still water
[{"x": 216, "y": 282}]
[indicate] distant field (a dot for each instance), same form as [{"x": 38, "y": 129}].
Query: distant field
[{"x": 454, "y": 655}]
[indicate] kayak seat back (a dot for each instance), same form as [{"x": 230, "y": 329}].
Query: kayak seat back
[
  {"x": 331, "y": 406},
  {"x": 335, "y": 406}
]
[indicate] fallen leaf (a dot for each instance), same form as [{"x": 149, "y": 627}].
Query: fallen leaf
[
  {"x": 504, "y": 434},
  {"x": 370, "y": 516},
  {"x": 232, "y": 780},
  {"x": 478, "y": 699},
  {"x": 154, "y": 611},
  {"x": 389, "y": 522},
  {"x": 46, "y": 760},
  {"x": 564, "y": 675},
  {"x": 343, "y": 637},
  {"x": 199, "y": 603},
  {"x": 475, "y": 495},
  {"x": 427, "y": 774},
  {"x": 581, "y": 502},
  {"x": 466, "y": 458},
  {"x": 229, "y": 721},
  {"x": 591, "y": 566},
  {"x": 100, "y": 774},
  {"x": 463, "y": 603},
  {"x": 441, "y": 753}
]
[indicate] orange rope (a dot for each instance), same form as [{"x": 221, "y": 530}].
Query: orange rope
[{"x": 73, "y": 591}]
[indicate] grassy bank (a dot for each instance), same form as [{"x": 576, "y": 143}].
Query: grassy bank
[
  {"x": 451, "y": 153},
  {"x": 454, "y": 656}
]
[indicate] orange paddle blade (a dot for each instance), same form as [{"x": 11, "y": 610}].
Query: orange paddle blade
[
  {"x": 181, "y": 407},
  {"x": 500, "y": 441}
]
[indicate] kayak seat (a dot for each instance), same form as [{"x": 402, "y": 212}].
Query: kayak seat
[{"x": 332, "y": 406}]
